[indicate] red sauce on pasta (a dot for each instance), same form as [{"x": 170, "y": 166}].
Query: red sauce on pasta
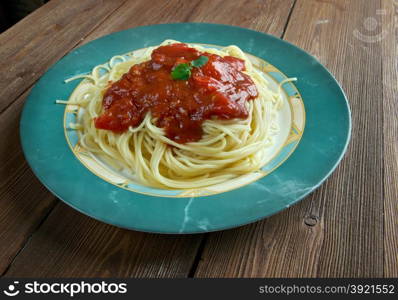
[{"x": 216, "y": 90}]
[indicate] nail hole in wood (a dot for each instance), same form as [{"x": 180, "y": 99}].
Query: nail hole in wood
[{"x": 310, "y": 221}]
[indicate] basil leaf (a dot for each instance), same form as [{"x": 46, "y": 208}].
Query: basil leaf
[
  {"x": 181, "y": 72},
  {"x": 201, "y": 61}
]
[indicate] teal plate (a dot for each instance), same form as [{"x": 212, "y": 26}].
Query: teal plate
[{"x": 325, "y": 139}]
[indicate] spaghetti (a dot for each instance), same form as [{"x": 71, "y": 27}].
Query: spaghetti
[{"x": 225, "y": 148}]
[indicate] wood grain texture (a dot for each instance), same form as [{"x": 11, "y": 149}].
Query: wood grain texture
[
  {"x": 24, "y": 201},
  {"x": 35, "y": 43},
  {"x": 338, "y": 230},
  {"x": 280, "y": 246},
  {"x": 84, "y": 247},
  {"x": 268, "y": 16},
  {"x": 26, "y": 51},
  {"x": 72, "y": 255},
  {"x": 140, "y": 13},
  {"x": 390, "y": 102},
  {"x": 265, "y": 16}
]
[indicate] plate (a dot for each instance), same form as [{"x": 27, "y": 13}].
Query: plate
[{"x": 86, "y": 184}]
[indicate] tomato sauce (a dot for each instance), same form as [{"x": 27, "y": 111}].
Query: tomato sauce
[{"x": 216, "y": 90}]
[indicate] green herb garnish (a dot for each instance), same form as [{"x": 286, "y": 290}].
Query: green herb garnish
[
  {"x": 201, "y": 61},
  {"x": 183, "y": 71}
]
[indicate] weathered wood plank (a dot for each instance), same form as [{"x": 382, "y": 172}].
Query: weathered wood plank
[
  {"x": 338, "y": 230},
  {"x": 23, "y": 200},
  {"x": 138, "y": 254},
  {"x": 70, "y": 244},
  {"x": 390, "y": 101},
  {"x": 31, "y": 46},
  {"x": 280, "y": 246},
  {"x": 268, "y": 16},
  {"x": 26, "y": 51},
  {"x": 140, "y": 13}
]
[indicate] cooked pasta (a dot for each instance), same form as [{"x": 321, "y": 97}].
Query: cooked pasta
[{"x": 227, "y": 148}]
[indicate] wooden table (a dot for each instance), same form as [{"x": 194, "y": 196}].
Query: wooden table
[{"x": 347, "y": 228}]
